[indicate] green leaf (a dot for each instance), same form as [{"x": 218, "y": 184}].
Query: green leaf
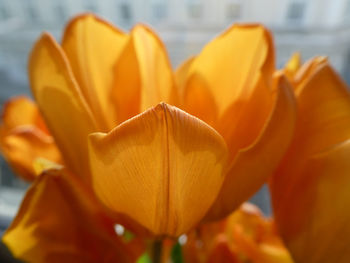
[
  {"x": 176, "y": 254},
  {"x": 144, "y": 259},
  {"x": 128, "y": 236}
]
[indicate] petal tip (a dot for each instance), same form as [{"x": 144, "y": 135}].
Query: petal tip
[
  {"x": 88, "y": 16},
  {"x": 96, "y": 137}
]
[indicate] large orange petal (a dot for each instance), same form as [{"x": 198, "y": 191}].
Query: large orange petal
[
  {"x": 300, "y": 184},
  {"x": 231, "y": 64},
  {"x": 324, "y": 121},
  {"x": 197, "y": 93},
  {"x": 59, "y": 221},
  {"x": 317, "y": 219},
  {"x": 253, "y": 165},
  {"x": 229, "y": 84},
  {"x": 182, "y": 74},
  {"x": 26, "y": 144},
  {"x": 324, "y": 112},
  {"x": 143, "y": 75},
  {"x": 163, "y": 168},
  {"x": 61, "y": 103},
  {"x": 92, "y": 47},
  {"x": 194, "y": 90},
  {"x": 242, "y": 123}
]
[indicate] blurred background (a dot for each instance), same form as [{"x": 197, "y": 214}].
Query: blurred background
[{"x": 312, "y": 27}]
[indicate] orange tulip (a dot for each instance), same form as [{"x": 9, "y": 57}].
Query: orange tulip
[
  {"x": 60, "y": 221},
  {"x": 106, "y": 97},
  {"x": 24, "y": 137},
  {"x": 310, "y": 190},
  {"x": 230, "y": 86},
  {"x": 244, "y": 236}
]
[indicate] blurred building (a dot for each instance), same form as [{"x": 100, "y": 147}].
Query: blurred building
[{"x": 312, "y": 27}]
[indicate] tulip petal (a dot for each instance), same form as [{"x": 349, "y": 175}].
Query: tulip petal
[
  {"x": 231, "y": 64},
  {"x": 42, "y": 165},
  {"x": 182, "y": 74},
  {"x": 59, "y": 221},
  {"x": 306, "y": 71},
  {"x": 24, "y": 137},
  {"x": 194, "y": 90},
  {"x": 24, "y": 145},
  {"x": 198, "y": 93},
  {"x": 292, "y": 66},
  {"x": 253, "y": 165},
  {"x": 92, "y": 47},
  {"x": 162, "y": 168},
  {"x": 319, "y": 209},
  {"x": 245, "y": 234},
  {"x": 310, "y": 188},
  {"x": 242, "y": 123},
  {"x": 61, "y": 103},
  {"x": 324, "y": 121},
  {"x": 262, "y": 253},
  {"x": 155, "y": 68},
  {"x": 20, "y": 111},
  {"x": 221, "y": 252},
  {"x": 229, "y": 84},
  {"x": 255, "y": 236},
  {"x": 324, "y": 109},
  {"x": 143, "y": 75}
]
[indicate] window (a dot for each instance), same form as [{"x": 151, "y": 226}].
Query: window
[
  {"x": 347, "y": 12},
  {"x": 60, "y": 12},
  {"x": 159, "y": 10},
  {"x": 195, "y": 8},
  {"x": 91, "y": 6},
  {"x": 125, "y": 12},
  {"x": 233, "y": 10},
  {"x": 3, "y": 12},
  {"x": 32, "y": 14},
  {"x": 296, "y": 11}
]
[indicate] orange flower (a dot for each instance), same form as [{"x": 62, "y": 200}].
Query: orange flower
[
  {"x": 244, "y": 236},
  {"x": 106, "y": 97},
  {"x": 310, "y": 190},
  {"x": 24, "y": 137},
  {"x": 230, "y": 85},
  {"x": 59, "y": 221}
]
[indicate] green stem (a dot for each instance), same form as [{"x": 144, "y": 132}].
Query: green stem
[{"x": 157, "y": 251}]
